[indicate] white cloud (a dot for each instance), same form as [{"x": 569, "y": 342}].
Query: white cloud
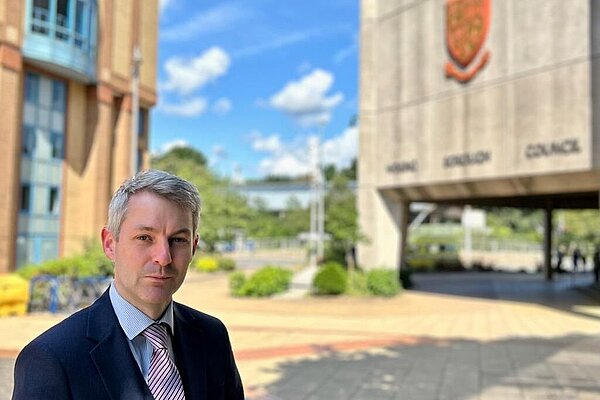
[
  {"x": 346, "y": 52},
  {"x": 164, "y": 4},
  {"x": 217, "y": 19},
  {"x": 270, "y": 144},
  {"x": 340, "y": 150},
  {"x": 278, "y": 42},
  {"x": 306, "y": 100},
  {"x": 222, "y": 106},
  {"x": 218, "y": 153},
  {"x": 284, "y": 164},
  {"x": 187, "y": 75},
  {"x": 168, "y": 146},
  {"x": 187, "y": 108},
  {"x": 293, "y": 158},
  {"x": 304, "y": 67}
]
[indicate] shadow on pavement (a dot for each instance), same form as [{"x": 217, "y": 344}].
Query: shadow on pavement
[
  {"x": 520, "y": 368},
  {"x": 565, "y": 293}
]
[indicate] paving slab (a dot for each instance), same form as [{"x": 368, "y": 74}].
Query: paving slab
[{"x": 514, "y": 336}]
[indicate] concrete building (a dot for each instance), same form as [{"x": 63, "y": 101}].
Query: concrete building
[
  {"x": 482, "y": 102},
  {"x": 66, "y": 100}
]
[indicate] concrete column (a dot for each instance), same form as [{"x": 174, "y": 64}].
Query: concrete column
[
  {"x": 384, "y": 221},
  {"x": 403, "y": 222},
  {"x": 548, "y": 241}
]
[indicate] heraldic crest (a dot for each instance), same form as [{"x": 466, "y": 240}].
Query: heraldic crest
[{"x": 467, "y": 26}]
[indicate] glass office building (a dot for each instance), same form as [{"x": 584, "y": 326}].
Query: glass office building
[{"x": 65, "y": 95}]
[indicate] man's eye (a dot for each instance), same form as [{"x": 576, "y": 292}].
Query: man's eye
[
  {"x": 178, "y": 240},
  {"x": 143, "y": 237}
]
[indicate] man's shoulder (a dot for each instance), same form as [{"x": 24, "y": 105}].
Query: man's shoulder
[
  {"x": 63, "y": 333},
  {"x": 72, "y": 329},
  {"x": 198, "y": 319}
]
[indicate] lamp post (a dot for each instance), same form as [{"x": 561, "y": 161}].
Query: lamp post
[
  {"x": 135, "y": 107},
  {"x": 317, "y": 203},
  {"x": 314, "y": 212}
]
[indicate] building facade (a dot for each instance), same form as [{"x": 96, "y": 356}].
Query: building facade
[
  {"x": 483, "y": 102},
  {"x": 66, "y": 96}
]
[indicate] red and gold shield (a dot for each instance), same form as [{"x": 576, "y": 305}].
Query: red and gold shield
[{"x": 467, "y": 26}]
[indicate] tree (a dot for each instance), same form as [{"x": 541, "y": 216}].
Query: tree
[
  {"x": 330, "y": 171},
  {"x": 580, "y": 226},
  {"x": 341, "y": 218},
  {"x": 295, "y": 219},
  {"x": 170, "y": 158},
  {"x": 224, "y": 211}
]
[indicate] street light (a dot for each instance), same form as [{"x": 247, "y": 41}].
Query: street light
[{"x": 317, "y": 203}]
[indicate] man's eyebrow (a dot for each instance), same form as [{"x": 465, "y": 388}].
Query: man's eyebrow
[
  {"x": 145, "y": 228},
  {"x": 187, "y": 231}
]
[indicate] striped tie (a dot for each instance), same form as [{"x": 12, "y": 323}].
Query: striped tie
[{"x": 163, "y": 378}]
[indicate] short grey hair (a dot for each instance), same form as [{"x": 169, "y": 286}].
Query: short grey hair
[{"x": 161, "y": 183}]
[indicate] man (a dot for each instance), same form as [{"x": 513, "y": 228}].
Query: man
[
  {"x": 596, "y": 259},
  {"x": 134, "y": 342}
]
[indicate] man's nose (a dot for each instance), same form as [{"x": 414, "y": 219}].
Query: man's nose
[{"x": 162, "y": 253}]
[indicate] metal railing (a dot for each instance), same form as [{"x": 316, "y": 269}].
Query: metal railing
[{"x": 63, "y": 293}]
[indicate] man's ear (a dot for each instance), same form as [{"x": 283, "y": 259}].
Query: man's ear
[
  {"x": 196, "y": 239},
  {"x": 108, "y": 243}
]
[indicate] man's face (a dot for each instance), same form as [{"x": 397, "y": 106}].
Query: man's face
[{"x": 151, "y": 257}]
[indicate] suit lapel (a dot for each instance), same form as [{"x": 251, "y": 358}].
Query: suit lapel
[
  {"x": 112, "y": 356},
  {"x": 190, "y": 363}
]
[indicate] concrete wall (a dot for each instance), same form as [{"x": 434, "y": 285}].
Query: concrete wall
[
  {"x": 523, "y": 126},
  {"x": 534, "y": 90}
]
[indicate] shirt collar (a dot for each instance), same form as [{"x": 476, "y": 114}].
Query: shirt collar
[{"x": 132, "y": 320}]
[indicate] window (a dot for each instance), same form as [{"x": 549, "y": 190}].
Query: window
[
  {"x": 53, "y": 201},
  {"x": 40, "y": 16},
  {"x": 142, "y": 122},
  {"x": 25, "y": 197},
  {"x": 79, "y": 15},
  {"x": 56, "y": 143},
  {"x": 62, "y": 19},
  {"x": 32, "y": 84},
  {"x": 28, "y": 140},
  {"x": 58, "y": 95}
]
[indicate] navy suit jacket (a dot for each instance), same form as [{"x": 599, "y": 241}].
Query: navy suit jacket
[{"x": 87, "y": 357}]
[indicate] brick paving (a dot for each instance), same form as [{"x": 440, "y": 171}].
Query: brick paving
[{"x": 457, "y": 336}]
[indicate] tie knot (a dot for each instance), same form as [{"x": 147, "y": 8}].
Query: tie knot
[{"x": 157, "y": 335}]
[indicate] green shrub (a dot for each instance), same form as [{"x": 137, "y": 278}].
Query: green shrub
[
  {"x": 206, "y": 264},
  {"x": 433, "y": 254},
  {"x": 92, "y": 262},
  {"x": 236, "y": 282},
  {"x": 383, "y": 282},
  {"x": 357, "y": 284},
  {"x": 331, "y": 278},
  {"x": 266, "y": 281},
  {"x": 226, "y": 263}
]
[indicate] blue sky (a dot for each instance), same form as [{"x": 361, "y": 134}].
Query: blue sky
[{"x": 249, "y": 83}]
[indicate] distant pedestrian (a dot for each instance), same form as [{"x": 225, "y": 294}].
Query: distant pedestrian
[
  {"x": 560, "y": 254},
  {"x": 577, "y": 257},
  {"x": 596, "y": 259}
]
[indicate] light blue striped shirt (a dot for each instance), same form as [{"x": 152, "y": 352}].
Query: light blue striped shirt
[{"x": 134, "y": 322}]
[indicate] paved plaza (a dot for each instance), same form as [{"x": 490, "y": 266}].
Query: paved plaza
[{"x": 455, "y": 336}]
